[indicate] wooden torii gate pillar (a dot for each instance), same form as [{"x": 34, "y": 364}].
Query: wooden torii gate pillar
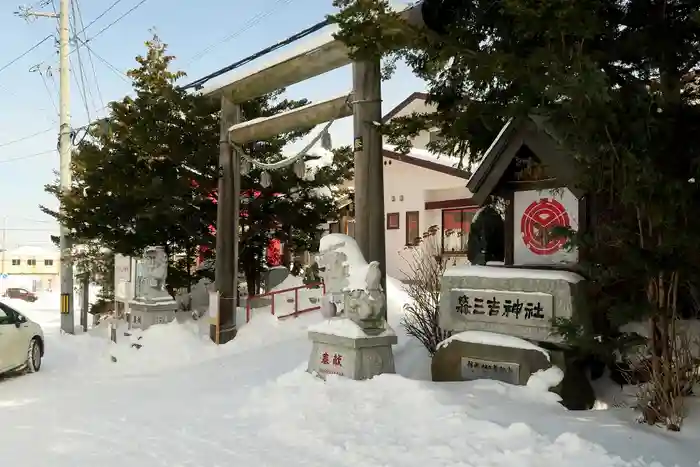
[{"x": 317, "y": 59}]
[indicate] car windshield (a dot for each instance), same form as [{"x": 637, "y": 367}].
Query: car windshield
[{"x": 7, "y": 314}]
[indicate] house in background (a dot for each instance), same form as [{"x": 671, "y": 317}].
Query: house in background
[
  {"x": 33, "y": 268},
  {"x": 421, "y": 189}
]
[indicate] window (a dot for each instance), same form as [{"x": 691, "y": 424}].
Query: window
[
  {"x": 455, "y": 229},
  {"x": 412, "y": 227},
  {"x": 393, "y": 221},
  {"x": 6, "y": 315},
  {"x": 31, "y": 262},
  {"x": 16, "y": 262},
  {"x": 48, "y": 262}
]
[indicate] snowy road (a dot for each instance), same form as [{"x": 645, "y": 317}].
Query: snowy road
[{"x": 182, "y": 402}]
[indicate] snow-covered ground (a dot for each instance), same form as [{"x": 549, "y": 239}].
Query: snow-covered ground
[{"x": 181, "y": 401}]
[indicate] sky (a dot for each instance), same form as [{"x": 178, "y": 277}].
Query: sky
[{"x": 204, "y": 36}]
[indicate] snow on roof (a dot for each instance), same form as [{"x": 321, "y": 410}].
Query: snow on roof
[{"x": 511, "y": 273}]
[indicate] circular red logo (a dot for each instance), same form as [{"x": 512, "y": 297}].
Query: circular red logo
[{"x": 537, "y": 223}]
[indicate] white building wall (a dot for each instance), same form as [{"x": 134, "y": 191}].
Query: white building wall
[
  {"x": 33, "y": 268},
  {"x": 405, "y": 187},
  {"x": 417, "y": 106}
]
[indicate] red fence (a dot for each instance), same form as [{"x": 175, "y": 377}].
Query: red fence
[{"x": 272, "y": 294}]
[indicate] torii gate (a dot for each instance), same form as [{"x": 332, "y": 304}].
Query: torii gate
[{"x": 365, "y": 99}]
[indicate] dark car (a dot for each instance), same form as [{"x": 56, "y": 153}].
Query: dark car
[{"x": 21, "y": 294}]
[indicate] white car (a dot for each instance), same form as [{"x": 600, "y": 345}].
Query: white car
[{"x": 21, "y": 341}]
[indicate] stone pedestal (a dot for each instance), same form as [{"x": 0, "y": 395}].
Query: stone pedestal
[
  {"x": 514, "y": 301},
  {"x": 146, "y": 313},
  {"x": 352, "y": 357}
]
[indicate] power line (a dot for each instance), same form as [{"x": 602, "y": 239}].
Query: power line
[
  {"x": 25, "y": 53},
  {"x": 27, "y": 156},
  {"x": 124, "y": 15},
  {"x": 24, "y": 138},
  {"x": 201, "y": 81},
  {"x": 81, "y": 80},
  {"x": 90, "y": 53},
  {"x": 28, "y": 219},
  {"x": 257, "y": 18},
  {"x": 37, "y": 69},
  {"x": 29, "y": 230},
  {"x": 100, "y": 16},
  {"x": 109, "y": 65}
]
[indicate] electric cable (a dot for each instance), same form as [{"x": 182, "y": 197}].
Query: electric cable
[
  {"x": 25, "y": 53},
  {"x": 257, "y": 18},
  {"x": 198, "y": 84}
]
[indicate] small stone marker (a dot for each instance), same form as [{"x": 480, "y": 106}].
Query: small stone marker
[
  {"x": 475, "y": 368},
  {"x": 458, "y": 359}
]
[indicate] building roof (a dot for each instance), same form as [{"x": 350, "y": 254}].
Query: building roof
[
  {"x": 403, "y": 104},
  {"x": 33, "y": 251}
]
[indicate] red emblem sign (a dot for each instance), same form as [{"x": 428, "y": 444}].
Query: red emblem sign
[{"x": 536, "y": 225}]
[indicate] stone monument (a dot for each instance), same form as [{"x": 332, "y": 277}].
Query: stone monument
[
  {"x": 529, "y": 175},
  {"x": 153, "y": 304},
  {"x": 334, "y": 271},
  {"x": 357, "y": 342}
]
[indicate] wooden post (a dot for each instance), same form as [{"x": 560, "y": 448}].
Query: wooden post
[
  {"x": 369, "y": 163},
  {"x": 361, "y": 160},
  {"x": 224, "y": 329}
]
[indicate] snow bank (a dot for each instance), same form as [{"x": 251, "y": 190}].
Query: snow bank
[
  {"x": 492, "y": 338},
  {"x": 544, "y": 380},
  {"x": 393, "y": 421}
]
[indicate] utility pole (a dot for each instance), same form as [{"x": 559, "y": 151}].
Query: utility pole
[
  {"x": 67, "y": 319},
  {"x": 64, "y": 149}
]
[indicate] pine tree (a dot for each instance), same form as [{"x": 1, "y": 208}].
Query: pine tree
[
  {"x": 146, "y": 176},
  {"x": 614, "y": 81},
  {"x": 141, "y": 176}
]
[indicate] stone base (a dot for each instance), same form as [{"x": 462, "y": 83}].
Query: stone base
[
  {"x": 354, "y": 358},
  {"x": 467, "y": 361},
  {"x": 146, "y": 314}
]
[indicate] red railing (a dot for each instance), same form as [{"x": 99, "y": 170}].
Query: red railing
[{"x": 272, "y": 294}]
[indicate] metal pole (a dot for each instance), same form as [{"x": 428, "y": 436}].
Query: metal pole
[
  {"x": 67, "y": 319},
  {"x": 226, "y": 273}
]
